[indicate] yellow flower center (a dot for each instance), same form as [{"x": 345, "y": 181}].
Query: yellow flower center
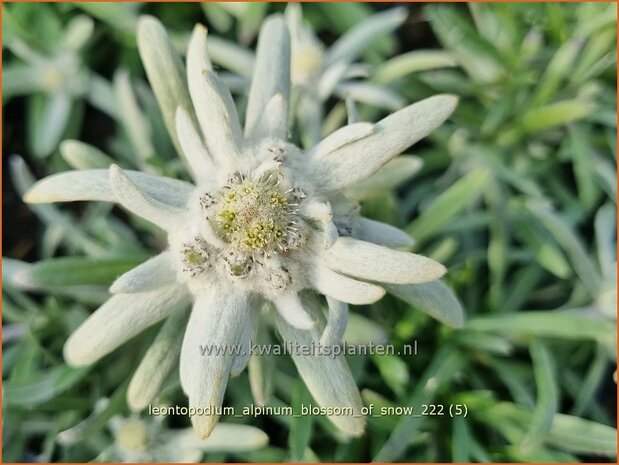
[{"x": 255, "y": 217}]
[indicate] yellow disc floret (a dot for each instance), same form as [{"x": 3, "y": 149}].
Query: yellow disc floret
[{"x": 255, "y": 217}]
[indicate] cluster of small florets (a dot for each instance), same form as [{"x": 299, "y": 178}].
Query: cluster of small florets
[
  {"x": 254, "y": 217},
  {"x": 252, "y": 221}
]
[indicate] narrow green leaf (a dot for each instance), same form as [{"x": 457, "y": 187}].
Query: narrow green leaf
[
  {"x": 443, "y": 367},
  {"x": 555, "y": 114},
  {"x": 447, "y": 205},
  {"x": 412, "y": 62},
  {"x": 562, "y": 324},
  {"x": 44, "y": 386},
  {"x": 300, "y": 425},
  {"x": 73, "y": 271},
  {"x": 393, "y": 371},
  {"x": 547, "y": 396},
  {"x": 48, "y": 118},
  {"x": 571, "y": 243}
]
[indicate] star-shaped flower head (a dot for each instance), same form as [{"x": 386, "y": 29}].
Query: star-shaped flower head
[{"x": 264, "y": 224}]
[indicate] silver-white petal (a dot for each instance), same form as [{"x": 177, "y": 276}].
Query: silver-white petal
[
  {"x": 336, "y": 322},
  {"x": 71, "y": 186},
  {"x": 433, "y": 298},
  {"x": 272, "y": 70},
  {"x": 274, "y": 120},
  {"x": 213, "y": 103},
  {"x": 328, "y": 378},
  {"x": 339, "y": 138},
  {"x": 216, "y": 324},
  {"x": 248, "y": 335},
  {"x": 377, "y": 263},
  {"x": 380, "y": 233},
  {"x": 291, "y": 309},
  {"x": 119, "y": 319},
  {"x": 356, "y": 161},
  {"x": 198, "y": 158},
  {"x": 389, "y": 176},
  {"x": 226, "y": 437},
  {"x": 157, "y": 363},
  {"x": 154, "y": 273},
  {"x": 164, "y": 69},
  {"x": 129, "y": 195},
  {"x": 332, "y": 284}
]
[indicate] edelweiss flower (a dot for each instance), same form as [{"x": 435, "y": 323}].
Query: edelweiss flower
[
  {"x": 318, "y": 73},
  {"x": 263, "y": 223}
]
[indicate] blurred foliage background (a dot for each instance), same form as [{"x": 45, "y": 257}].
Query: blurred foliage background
[{"x": 516, "y": 194}]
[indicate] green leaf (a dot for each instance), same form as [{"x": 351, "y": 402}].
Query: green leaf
[
  {"x": 546, "y": 252},
  {"x": 73, "y": 271},
  {"x": 568, "y": 432},
  {"x": 447, "y": 205},
  {"x": 443, "y": 367},
  {"x": 433, "y": 298},
  {"x": 571, "y": 243},
  {"x": 98, "y": 419},
  {"x": 44, "y": 386},
  {"x": 555, "y": 114},
  {"x": 393, "y": 371},
  {"x": 48, "y": 117},
  {"x": 547, "y": 396},
  {"x": 559, "y": 68},
  {"x": 581, "y": 150},
  {"x": 562, "y": 324},
  {"x": 412, "y": 62},
  {"x": 300, "y": 425}
]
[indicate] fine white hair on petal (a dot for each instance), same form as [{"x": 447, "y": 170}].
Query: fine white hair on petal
[
  {"x": 215, "y": 325},
  {"x": 153, "y": 273},
  {"x": 271, "y": 72},
  {"x": 327, "y": 378},
  {"x": 71, "y": 186},
  {"x": 322, "y": 212},
  {"x": 213, "y": 103},
  {"x": 274, "y": 120},
  {"x": 290, "y": 308},
  {"x": 380, "y": 233},
  {"x": 356, "y": 161},
  {"x": 119, "y": 319},
  {"x": 377, "y": 263},
  {"x": 339, "y": 138},
  {"x": 248, "y": 335},
  {"x": 433, "y": 298},
  {"x": 332, "y": 284},
  {"x": 336, "y": 322},
  {"x": 197, "y": 51},
  {"x": 165, "y": 70},
  {"x": 195, "y": 152},
  {"x": 133, "y": 199},
  {"x": 157, "y": 363}
]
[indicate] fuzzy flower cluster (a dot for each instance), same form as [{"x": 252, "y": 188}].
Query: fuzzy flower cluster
[{"x": 264, "y": 224}]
